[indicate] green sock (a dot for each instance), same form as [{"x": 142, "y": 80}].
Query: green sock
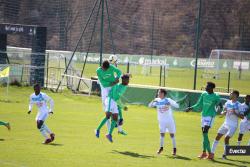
[
  {"x": 113, "y": 124},
  {"x": 120, "y": 113},
  {"x": 102, "y": 123},
  {"x": 204, "y": 142},
  {"x": 3, "y": 123}
]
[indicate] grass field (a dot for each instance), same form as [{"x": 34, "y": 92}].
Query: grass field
[{"x": 74, "y": 121}]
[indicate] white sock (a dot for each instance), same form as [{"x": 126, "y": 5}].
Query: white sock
[
  {"x": 173, "y": 142},
  {"x": 108, "y": 124},
  {"x": 47, "y": 129},
  {"x": 161, "y": 141},
  {"x": 119, "y": 128},
  {"x": 238, "y": 143},
  {"x": 43, "y": 132},
  {"x": 214, "y": 146},
  {"x": 225, "y": 148}
]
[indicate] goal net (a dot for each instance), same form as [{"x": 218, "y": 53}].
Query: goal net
[{"x": 221, "y": 62}]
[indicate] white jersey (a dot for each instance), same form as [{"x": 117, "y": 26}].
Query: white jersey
[
  {"x": 41, "y": 102},
  {"x": 164, "y": 108},
  {"x": 243, "y": 109},
  {"x": 231, "y": 118}
]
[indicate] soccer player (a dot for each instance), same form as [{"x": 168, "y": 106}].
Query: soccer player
[
  {"x": 108, "y": 76},
  {"x": 165, "y": 117},
  {"x": 6, "y": 124},
  {"x": 41, "y": 100},
  {"x": 207, "y": 103},
  {"x": 229, "y": 127},
  {"x": 111, "y": 106},
  {"x": 244, "y": 123}
]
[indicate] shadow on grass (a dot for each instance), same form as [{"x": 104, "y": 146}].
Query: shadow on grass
[
  {"x": 132, "y": 154},
  {"x": 179, "y": 157},
  {"x": 243, "y": 162},
  {"x": 8, "y": 101},
  {"x": 55, "y": 144},
  {"x": 1, "y": 139},
  {"x": 225, "y": 162}
]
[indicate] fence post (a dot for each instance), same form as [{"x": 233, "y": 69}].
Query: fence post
[
  {"x": 160, "y": 75},
  {"x": 228, "y": 82},
  {"x": 128, "y": 67},
  {"x": 164, "y": 75}
]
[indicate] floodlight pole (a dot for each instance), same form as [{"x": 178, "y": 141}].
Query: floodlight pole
[
  {"x": 101, "y": 35},
  {"x": 197, "y": 44}
]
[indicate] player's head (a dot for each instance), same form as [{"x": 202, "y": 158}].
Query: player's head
[
  {"x": 247, "y": 99},
  {"x": 105, "y": 65},
  {"x": 37, "y": 88},
  {"x": 234, "y": 95},
  {"x": 125, "y": 79},
  {"x": 210, "y": 87},
  {"x": 162, "y": 93}
]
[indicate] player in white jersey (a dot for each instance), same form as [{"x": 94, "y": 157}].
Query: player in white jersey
[
  {"x": 229, "y": 127},
  {"x": 245, "y": 122},
  {"x": 165, "y": 117},
  {"x": 40, "y": 100}
]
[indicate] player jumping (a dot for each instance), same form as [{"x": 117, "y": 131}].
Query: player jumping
[
  {"x": 229, "y": 127},
  {"x": 41, "y": 100},
  {"x": 165, "y": 117},
  {"x": 111, "y": 106},
  {"x": 207, "y": 103}
]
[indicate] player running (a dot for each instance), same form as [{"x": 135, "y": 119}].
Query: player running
[
  {"x": 229, "y": 127},
  {"x": 6, "y": 124},
  {"x": 41, "y": 100},
  {"x": 207, "y": 103},
  {"x": 111, "y": 106},
  {"x": 165, "y": 117},
  {"x": 244, "y": 123},
  {"x": 108, "y": 76}
]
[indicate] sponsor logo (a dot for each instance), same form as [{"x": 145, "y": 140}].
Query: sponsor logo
[
  {"x": 238, "y": 150},
  {"x": 203, "y": 63}
]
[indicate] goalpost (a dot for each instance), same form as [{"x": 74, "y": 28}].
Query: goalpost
[{"x": 222, "y": 61}]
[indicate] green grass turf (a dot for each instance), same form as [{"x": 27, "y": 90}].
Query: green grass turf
[{"x": 74, "y": 121}]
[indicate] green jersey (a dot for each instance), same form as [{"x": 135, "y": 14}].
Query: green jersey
[
  {"x": 116, "y": 91},
  {"x": 207, "y": 103},
  {"x": 108, "y": 76}
]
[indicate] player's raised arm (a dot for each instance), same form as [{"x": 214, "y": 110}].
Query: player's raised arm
[{"x": 152, "y": 104}]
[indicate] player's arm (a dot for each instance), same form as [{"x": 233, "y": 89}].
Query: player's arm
[
  {"x": 118, "y": 72},
  {"x": 224, "y": 111},
  {"x": 100, "y": 77},
  {"x": 51, "y": 103},
  {"x": 152, "y": 104},
  {"x": 31, "y": 103},
  {"x": 173, "y": 103},
  {"x": 197, "y": 106}
]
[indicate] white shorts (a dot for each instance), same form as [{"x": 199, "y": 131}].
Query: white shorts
[
  {"x": 111, "y": 106},
  {"x": 244, "y": 127},
  {"x": 207, "y": 121},
  {"x": 42, "y": 115},
  {"x": 167, "y": 126},
  {"x": 104, "y": 94},
  {"x": 227, "y": 130}
]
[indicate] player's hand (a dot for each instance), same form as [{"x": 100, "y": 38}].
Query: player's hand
[
  {"x": 51, "y": 112},
  {"x": 125, "y": 108},
  {"x": 29, "y": 112},
  {"x": 188, "y": 109}
]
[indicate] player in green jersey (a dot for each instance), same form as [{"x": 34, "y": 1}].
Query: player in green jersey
[
  {"x": 207, "y": 103},
  {"x": 111, "y": 106}
]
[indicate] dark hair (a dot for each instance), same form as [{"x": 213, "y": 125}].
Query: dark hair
[
  {"x": 125, "y": 76},
  {"x": 163, "y": 91},
  {"x": 236, "y": 92},
  {"x": 211, "y": 84},
  {"x": 36, "y": 85},
  {"x": 247, "y": 96},
  {"x": 105, "y": 64}
]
